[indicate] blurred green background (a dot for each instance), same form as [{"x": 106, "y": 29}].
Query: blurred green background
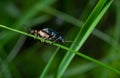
[{"x": 25, "y": 57}]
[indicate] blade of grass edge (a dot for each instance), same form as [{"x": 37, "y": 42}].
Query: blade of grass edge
[
  {"x": 78, "y": 23},
  {"x": 39, "y": 6},
  {"x": 82, "y": 35},
  {"x": 45, "y": 71},
  {"x": 65, "y": 48},
  {"x": 29, "y": 14}
]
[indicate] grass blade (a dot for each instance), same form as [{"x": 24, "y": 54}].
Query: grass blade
[
  {"x": 78, "y": 23},
  {"x": 87, "y": 28},
  {"x": 44, "y": 73},
  {"x": 65, "y": 48}
]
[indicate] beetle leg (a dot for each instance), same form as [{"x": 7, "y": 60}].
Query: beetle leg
[
  {"x": 54, "y": 41},
  {"x": 36, "y": 35}
]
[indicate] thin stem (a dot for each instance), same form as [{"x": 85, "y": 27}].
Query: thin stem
[{"x": 66, "y": 48}]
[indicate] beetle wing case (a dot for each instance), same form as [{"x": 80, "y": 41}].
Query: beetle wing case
[{"x": 49, "y": 34}]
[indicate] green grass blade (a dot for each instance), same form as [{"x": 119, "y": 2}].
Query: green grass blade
[
  {"x": 66, "y": 48},
  {"x": 19, "y": 32},
  {"x": 63, "y": 16},
  {"x": 117, "y": 29},
  {"x": 6, "y": 72},
  {"x": 44, "y": 73},
  {"x": 33, "y": 10},
  {"x": 29, "y": 14},
  {"x": 78, "y": 23},
  {"x": 87, "y": 28}
]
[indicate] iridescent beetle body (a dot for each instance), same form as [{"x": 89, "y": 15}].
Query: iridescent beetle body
[{"x": 49, "y": 34}]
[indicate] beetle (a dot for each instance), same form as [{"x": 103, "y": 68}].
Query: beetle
[{"x": 48, "y": 34}]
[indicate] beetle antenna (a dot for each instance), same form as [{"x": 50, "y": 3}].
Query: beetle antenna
[{"x": 69, "y": 41}]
